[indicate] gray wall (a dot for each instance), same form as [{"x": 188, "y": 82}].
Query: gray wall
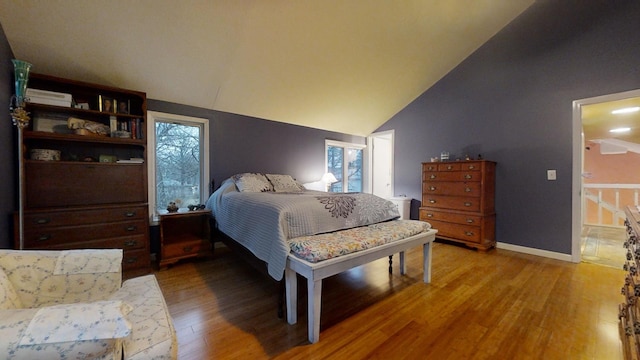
[
  {"x": 246, "y": 144},
  {"x": 511, "y": 101}
]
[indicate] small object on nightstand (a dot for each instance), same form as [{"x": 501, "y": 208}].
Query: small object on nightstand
[{"x": 172, "y": 207}]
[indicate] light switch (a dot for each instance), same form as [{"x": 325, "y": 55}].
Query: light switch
[{"x": 551, "y": 174}]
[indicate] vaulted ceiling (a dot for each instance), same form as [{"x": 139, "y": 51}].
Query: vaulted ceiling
[{"x": 338, "y": 65}]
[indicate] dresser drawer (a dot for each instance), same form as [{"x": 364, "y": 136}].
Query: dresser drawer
[
  {"x": 451, "y": 188},
  {"x": 51, "y": 236},
  {"x": 457, "y": 231},
  {"x": 35, "y": 219},
  {"x": 451, "y": 202},
  {"x": 430, "y": 167},
  {"x": 184, "y": 249},
  {"x": 471, "y": 166},
  {"x": 449, "y": 167},
  {"x": 451, "y": 176},
  {"x": 430, "y": 215},
  {"x": 133, "y": 259},
  {"x": 126, "y": 243},
  {"x": 60, "y": 184}
]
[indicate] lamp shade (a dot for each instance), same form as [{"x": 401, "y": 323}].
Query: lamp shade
[
  {"x": 329, "y": 178},
  {"x": 21, "y": 77}
]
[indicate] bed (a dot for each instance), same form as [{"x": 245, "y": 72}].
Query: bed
[{"x": 277, "y": 220}]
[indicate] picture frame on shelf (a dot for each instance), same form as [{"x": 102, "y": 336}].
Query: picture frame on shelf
[
  {"x": 106, "y": 104},
  {"x": 124, "y": 106}
]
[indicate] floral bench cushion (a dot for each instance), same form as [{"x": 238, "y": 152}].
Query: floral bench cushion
[{"x": 320, "y": 247}]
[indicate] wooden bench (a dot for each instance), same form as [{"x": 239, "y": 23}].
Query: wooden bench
[{"x": 315, "y": 272}]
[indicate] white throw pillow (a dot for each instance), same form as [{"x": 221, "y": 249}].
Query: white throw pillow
[
  {"x": 283, "y": 183},
  {"x": 78, "y": 322},
  {"x": 252, "y": 182}
]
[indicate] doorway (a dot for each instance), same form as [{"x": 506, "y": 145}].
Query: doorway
[
  {"x": 381, "y": 165},
  {"x": 605, "y": 142}
]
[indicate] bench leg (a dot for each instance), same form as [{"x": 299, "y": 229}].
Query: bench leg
[
  {"x": 314, "y": 294},
  {"x": 291, "y": 294},
  {"x": 403, "y": 265},
  {"x": 426, "y": 261}
]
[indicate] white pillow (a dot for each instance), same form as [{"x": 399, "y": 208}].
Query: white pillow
[
  {"x": 252, "y": 182},
  {"x": 8, "y": 296},
  {"x": 283, "y": 183},
  {"x": 78, "y": 322}
]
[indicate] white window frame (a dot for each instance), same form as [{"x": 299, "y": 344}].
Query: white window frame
[
  {"x": 152, "y": 118},
  {"x": 345, "y": 160}
]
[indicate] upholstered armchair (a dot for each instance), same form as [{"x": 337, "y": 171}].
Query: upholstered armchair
[{"x": 73, "y": 305}]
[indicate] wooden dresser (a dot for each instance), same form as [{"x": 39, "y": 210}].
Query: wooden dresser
[
  {"x": 630, "y": 308},
  {"x": 458, "y": 200},
  {"x": 95, "y": 194}
]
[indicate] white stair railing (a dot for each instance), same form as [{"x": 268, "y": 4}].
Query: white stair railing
[{"x": 596, "y": 193}]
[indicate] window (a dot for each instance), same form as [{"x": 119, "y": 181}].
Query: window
[
  {"x": 344, "y": 161},
  {"x": 178, "y": 158}
]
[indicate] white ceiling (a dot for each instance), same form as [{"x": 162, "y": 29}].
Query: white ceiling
[{"x": 338, "y": 65}]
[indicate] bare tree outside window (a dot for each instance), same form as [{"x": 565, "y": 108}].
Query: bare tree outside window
[
  {"x": 351, "y": 169},
  {"x": 178, "y": 160}
]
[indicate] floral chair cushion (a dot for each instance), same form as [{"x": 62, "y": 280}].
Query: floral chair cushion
[
  {"x": 8, "y": 296},
  {"x": 153, "y": 335},
  {"x": 33, "y": 276}
]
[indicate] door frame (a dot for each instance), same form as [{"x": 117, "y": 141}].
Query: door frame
[
  {"x": 370, "y": 160},
  {"x": 577, "y": 206}
]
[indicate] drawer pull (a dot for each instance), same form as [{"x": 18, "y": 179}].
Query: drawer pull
[
  {"x": 130, "y": 243},
  {"x": 469, "y": 233},
  {"x": 130, "y": 214},
  {"x": 432, "y": 188},
  {"x": 433, "y": 176},
  {"x": 468, "y": 176},
  {"x": 429, "y": 215},
  {"x": 44, "y": 237},
  {"x": 467, "y": 204},
  {"x": 131, "y": 260},
  {"x": 471, "y": 167},
  {"x": 187, "y": 249},
  {"x": 42, "y": 221},
  {"x": 469, "y": 221},
  {"x": 449, "y": 167},
  {"x": 431, "y": 168},
  {"x": 432, "y": 201},
  {"x": 467, "y": 189},
  {"x": 132, "y": 228}
]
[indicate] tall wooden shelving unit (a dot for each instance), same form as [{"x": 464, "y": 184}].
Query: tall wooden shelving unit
[{"x": 80, "y": 201}]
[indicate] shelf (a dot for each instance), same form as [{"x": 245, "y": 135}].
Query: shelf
[
  {"x": 79, "y": 112},
  {"x": 41, "y": 135},
  {"x": 73, "y": 204},
  {"x": 79, "y": 163}
]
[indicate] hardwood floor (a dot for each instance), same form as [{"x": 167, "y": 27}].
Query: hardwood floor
[{"x": 495, "y": 305}]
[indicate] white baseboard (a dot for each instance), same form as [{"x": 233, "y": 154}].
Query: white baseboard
[{"x": 533, "y": 251}]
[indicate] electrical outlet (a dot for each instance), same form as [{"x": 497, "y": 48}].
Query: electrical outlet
[{"x": 551, "y": 174}]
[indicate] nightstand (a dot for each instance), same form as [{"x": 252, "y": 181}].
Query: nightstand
[{"x": 184, "y": 234}]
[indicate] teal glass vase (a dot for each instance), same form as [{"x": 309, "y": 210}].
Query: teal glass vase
[{"x": 22, "y": 77}]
